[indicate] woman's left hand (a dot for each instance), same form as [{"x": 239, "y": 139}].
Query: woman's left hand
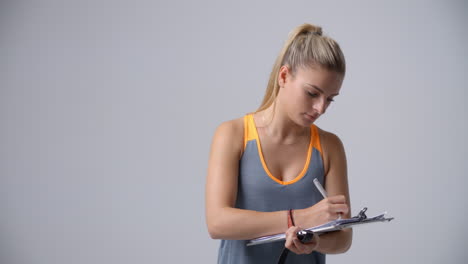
[{"x": 295, "y": 245}]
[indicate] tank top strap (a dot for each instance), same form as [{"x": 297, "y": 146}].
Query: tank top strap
[
  {"x": 316, "y": 139},
  {"x": 250, "y": 132}
]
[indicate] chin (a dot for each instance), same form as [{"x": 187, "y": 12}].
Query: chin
[
  {"x": 307, "y": 121},
  {"x": 304, "y": 123}
]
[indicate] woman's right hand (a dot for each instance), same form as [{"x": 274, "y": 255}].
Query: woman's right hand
[
  {"x": 295, "y": 245},
  {"x": 326, "y": 210}
]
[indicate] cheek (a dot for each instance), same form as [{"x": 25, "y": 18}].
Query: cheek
[
  {"x": 295, "y": 100},
  {"x": 300, "y": 101}
]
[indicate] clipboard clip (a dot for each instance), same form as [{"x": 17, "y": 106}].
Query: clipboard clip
[{"x": 362, "y": 214}]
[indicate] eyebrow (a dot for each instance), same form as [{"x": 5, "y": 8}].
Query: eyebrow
[{"x": 320, "y": 90}]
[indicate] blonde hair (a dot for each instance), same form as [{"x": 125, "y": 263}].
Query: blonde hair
[{"x": 305, "y": 47}]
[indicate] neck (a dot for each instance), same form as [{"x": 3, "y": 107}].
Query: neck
[{"x": 278, "y": 126}]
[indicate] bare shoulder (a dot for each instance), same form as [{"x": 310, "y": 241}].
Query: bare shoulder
[
  {"x": 233, "y": 125},
  {"x": 329, "y": 140},
  {"x": 230, "y": 134},
  {"x": 332, "y": 149},
  {"x": 231, "y": 128}
]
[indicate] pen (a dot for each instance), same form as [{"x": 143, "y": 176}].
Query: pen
[
  {"x": 323, "y": 192},
  {"x": 320, "y": 188}
]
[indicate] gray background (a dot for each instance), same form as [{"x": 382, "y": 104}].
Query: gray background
[{"x": 108, "y": 109}]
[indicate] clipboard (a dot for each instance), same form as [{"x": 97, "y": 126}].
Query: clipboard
[{"x": 331, "y": 226}]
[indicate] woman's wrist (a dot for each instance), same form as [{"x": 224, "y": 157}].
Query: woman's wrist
[
  {"x": 298, "y": 216},
  {"x": 290, "y": 218}
]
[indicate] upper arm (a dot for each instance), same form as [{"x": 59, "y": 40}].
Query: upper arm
[
  {"x": 223, "y": 166},
  {"x": 336, "y": 173}
]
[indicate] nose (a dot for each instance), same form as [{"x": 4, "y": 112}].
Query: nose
[{"x": 320, "y": 105}]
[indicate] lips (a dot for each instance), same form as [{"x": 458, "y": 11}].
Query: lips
[{"x": 311, "y": 117}]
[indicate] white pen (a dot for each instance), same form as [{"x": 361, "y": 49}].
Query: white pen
[
  {"x": 323, "y": 192},
  {"x": 320, "y": 188}
]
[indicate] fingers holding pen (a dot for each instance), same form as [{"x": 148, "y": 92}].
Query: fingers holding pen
[
  {"x": 328, "y": 209},
  {"x": 338, "y": 208},
  {"x": 336, "y": 199},
  {"x": 336, "y": 204}
]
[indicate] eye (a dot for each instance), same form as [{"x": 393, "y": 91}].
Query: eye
[{"x": 313, "y": 95}]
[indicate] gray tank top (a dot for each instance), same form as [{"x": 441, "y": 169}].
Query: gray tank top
[{"x": 259, "y": 190}]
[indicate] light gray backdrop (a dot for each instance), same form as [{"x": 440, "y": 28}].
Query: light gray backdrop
[{"x": 108, "y": 109}]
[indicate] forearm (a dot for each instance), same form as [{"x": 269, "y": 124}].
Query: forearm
[
  {"x": 335, "y": 242},
  {"x": 239, "y": 224}
]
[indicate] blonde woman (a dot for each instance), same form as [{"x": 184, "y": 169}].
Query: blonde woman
[{"x": 262, "y": 165}]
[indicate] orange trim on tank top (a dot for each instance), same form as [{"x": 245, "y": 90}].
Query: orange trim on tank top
[
  {"x": 260, "y": 153},
  {"x": 316, "y": 139},
  {"x": 249, "y": 133},
  {"x": 246, "y": 128}
]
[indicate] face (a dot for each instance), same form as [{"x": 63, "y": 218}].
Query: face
[{"x": 308, "y": 94}]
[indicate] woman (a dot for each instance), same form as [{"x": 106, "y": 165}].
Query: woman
[{"x": 263, "y": 164}]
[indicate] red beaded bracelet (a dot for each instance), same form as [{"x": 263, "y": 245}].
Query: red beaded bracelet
[{"x": 290, "y": 218}]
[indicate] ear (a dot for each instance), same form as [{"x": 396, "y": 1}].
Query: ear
[{"x": 283, "y": 73}]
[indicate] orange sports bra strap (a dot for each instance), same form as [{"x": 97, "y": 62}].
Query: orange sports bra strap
[
  {"x": 316, "y": 139},
  {"x": 249, "y": 128},
  {"x": 246, "y": 129}
]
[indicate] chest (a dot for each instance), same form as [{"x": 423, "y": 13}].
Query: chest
[
  {"x": 257, "y": 190},
  {"x": 285, "y": 162}
]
